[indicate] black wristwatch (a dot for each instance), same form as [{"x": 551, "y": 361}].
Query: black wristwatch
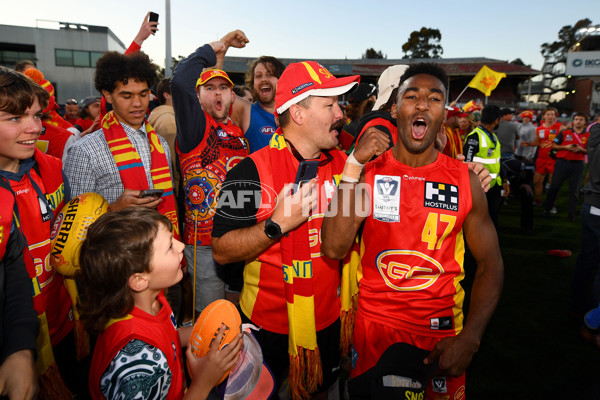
[{"x": 272, "y": 229}]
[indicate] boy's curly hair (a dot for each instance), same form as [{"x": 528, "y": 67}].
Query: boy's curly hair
[{"x": 115, "y": 67}]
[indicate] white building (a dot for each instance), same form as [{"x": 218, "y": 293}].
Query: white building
[{"x": 66, "y": 55}]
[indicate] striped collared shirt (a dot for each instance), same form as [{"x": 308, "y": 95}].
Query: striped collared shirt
[{"x": 90, "y": 166}]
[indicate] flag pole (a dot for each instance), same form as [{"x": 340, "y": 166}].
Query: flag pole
[{"x": 461, "y": 93}]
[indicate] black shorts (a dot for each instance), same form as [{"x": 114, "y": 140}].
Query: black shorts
[{"x": 275, "y": 353}]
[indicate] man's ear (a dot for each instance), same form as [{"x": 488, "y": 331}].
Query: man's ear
[
  {"x": 394, "y": 110},
  {"x": 138, "y": 282},
  {"x": 107, "y": 96},
  {"x": 297, "y": 114}
]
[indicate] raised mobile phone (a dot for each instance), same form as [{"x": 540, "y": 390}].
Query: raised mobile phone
[
  {"x": 156, "y": 193},
  {"x": 306, "y": 171},
  {"x": 153, "y": 18}
]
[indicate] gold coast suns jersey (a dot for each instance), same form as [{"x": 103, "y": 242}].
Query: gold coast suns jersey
[{"x": 412, "y": 247}]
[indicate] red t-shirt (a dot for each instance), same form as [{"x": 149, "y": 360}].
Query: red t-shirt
[
  {"x": 568, "y": 137},
  {"x": 546, "y": 136},
  {"x": 263, "y": 297},
  {"x": 412, "y": 248}
]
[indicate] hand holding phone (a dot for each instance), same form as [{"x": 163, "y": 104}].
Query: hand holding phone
[
  {"x": 156, "y": 193},
  {"x": 153, "y": 18},
  {"x": 307, "y": 170}
]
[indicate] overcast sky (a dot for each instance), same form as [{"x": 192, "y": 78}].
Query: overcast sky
[{"x": 317, "y": 29}]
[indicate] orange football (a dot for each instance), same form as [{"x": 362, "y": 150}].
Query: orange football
[{"x": 206, "y": 328}]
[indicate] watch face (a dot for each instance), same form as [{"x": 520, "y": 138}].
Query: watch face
[{"x": 272, "y": 230}]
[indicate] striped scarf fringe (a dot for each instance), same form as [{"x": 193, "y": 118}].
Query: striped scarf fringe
[{"x": 306, "y": 373}]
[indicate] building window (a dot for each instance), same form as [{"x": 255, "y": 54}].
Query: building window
[
  {"x": 64, "y": 58},
  {"x": 94, "y": 56},
  {"x": 10, "y": 53},
  {"x": 77, "y": 58}
]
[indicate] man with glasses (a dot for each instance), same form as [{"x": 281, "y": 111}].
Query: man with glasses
[{"x": 71, "y": 111}]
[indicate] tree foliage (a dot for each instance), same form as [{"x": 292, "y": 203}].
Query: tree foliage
[
  {"x": 371, "y": 53},
  {"x": 424, "y": 43},
  {"x": 567, "y": 37},
  {"x": 518, "y": 61},
  {"x": 555, "y": 55}
]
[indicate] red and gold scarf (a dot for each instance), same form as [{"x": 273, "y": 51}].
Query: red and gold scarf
[
  {"x": 305, "y": 373},
  {"x": 131, "y": 168}
]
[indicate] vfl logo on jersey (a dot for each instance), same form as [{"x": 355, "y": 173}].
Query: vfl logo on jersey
[
  {"x": 386, "y": 198},
  {"x": 408, "y": 270},
  {"x": 439, "y": 384},
  {"x": 387, "y": 186},
  {"x": 267, "y": 130},
  {"x": 223, "y": 134},
  {"x": 441, "y": 195}
]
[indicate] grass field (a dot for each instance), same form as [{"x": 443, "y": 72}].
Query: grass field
[{"x": 531, "y": 349}]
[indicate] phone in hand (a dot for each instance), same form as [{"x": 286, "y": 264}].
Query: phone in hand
[
  {"x": 156, "y": 193},
  {"x": 307, "y": 170},
  {"x": 153, "y": 18}
]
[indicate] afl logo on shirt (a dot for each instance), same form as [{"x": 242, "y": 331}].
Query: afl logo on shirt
[
  {"x": 223, "y": 134},
  {"x": 408, "y": 270},
  {"x": 267, "y": 130}
]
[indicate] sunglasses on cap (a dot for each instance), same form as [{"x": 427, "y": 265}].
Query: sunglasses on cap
[{"x": 72, "y": 102}]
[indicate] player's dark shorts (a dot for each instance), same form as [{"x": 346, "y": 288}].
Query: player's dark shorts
[
  {"x": 371, "y": 339},
  {"x": 275, "y": 352}
]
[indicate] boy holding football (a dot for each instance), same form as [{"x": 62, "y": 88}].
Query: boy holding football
[{"x": 128, "y": 258}]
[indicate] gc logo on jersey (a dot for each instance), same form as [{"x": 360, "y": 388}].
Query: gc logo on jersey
[
  {"x": 441, "y": 195},
  {"x": 408, "y": 270}
]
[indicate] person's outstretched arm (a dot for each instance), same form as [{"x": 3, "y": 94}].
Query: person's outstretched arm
[{"x": 454, "y": 354}]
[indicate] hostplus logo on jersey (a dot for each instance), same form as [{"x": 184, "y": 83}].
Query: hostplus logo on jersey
[{"x": 441, "y": 195}]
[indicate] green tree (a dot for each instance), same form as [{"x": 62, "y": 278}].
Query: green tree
[
  {"x": 424, "y": 43},
  {"x": 175, "y": 61},
  {"x": 555, "y": 58},
  {"x": 518, "y": 61},
  {"x": 373, "y": 54},
  {"x": 567, "y": 37}
]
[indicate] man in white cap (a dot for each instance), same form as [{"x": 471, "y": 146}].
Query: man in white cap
[{"x": 290, "y": 289}]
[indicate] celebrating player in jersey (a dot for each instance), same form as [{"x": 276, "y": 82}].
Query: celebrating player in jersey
[{"x": 419, "y": 202}]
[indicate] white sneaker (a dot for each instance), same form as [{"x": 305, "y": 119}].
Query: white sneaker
[{"x": 553, "y": 211}]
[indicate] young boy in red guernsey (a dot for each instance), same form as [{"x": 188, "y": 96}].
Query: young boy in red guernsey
[
  {"x": 420, "y": 203},
  {"x": 127, "y": 260},
  {"x": 36, "y": 183}
]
